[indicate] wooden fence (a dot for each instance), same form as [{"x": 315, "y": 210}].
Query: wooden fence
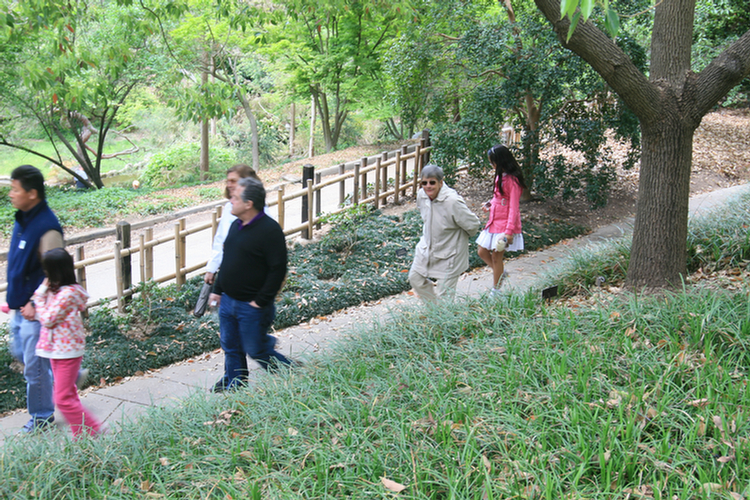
[{"x": 371, "y": 183}]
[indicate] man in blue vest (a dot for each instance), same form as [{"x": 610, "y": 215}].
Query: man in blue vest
[{"x": 36, "y": 231}]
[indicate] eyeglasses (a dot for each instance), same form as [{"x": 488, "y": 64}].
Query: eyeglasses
[{"x": 431, "y": 182}]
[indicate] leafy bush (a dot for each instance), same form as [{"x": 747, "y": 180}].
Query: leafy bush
[
  {"x": 181, "y": 165},
  {"x": 363, "y": 257},
  {"x": 155, "y": 331}
]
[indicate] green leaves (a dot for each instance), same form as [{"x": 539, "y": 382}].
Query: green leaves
[{"x": 577, "y": 9}]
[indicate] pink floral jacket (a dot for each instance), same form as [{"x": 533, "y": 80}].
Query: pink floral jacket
[
  {"x": 62, "y": 335},
  {"x": 505, "y": 216}
]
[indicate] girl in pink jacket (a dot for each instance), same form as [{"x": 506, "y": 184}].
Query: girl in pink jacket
[
  {"x": 503, "y": 229},
  {"x": 59, "y": 301}
]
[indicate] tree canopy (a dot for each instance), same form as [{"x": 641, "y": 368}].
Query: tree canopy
[{"x": 69, "y": 67}]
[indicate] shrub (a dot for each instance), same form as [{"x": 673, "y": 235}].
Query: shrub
[{"x": 181, "y": 165}]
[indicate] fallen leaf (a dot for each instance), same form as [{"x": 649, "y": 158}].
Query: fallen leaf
[
  {"x": 392, "y": 485},
  {"x": 699, "y": 403},
  {"x": 164, "y": 461},
  {"x": 711, "y": 487}
]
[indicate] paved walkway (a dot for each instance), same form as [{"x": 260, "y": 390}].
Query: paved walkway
[{"x": 124, "y": 401}]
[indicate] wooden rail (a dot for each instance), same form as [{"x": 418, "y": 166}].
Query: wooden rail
[{"x": 362, "y": 192}]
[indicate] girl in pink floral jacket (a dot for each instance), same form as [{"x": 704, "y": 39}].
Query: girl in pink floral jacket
[
  {"x": 59, "y": 301},
  {"x": 503, "y": 229}
]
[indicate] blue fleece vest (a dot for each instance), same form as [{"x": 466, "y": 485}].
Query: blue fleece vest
[{"x": 25, "y": 272}]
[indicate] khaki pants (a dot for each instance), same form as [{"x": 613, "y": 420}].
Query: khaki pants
[{"x": 429, "y": 291}]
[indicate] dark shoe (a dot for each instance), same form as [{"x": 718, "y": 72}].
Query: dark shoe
[
  {"x": 221, "y": 386},
  {"x": 82, "y": 378},
  {"x": 37, "y": 424}
]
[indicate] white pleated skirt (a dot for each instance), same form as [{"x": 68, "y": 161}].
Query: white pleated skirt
[{"x": 488, "y": 240}]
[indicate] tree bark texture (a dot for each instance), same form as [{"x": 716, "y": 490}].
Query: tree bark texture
[
  {"x": 204, "y": 133},
  {"x": 670, "y": 105}
]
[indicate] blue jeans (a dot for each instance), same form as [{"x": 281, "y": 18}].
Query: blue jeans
[
  {"x": 244, "y": 332},
  {"x": 24, "y": 335}
]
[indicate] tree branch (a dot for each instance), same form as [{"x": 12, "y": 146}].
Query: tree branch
[
  {"x": 725, "y": 72},
  {"x": 606, "y": 58}
]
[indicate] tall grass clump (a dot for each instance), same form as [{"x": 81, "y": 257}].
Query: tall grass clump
[
  {"x": 718, "y": 240},
  {"x": 508, "y": 398},
  {"x": 721, "y": 239},
  {"x": 582, "y": 267}
]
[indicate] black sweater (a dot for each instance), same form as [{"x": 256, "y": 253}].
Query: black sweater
[{"x": 254, "y": 263}]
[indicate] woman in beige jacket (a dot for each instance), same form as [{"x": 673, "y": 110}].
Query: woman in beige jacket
[{"x": 443, "y": 250}]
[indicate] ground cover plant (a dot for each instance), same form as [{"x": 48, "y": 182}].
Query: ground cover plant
[
  {"x": 634, "y": 396},
  {"x": 718, "y": 241},
  {"x": 365, "y": 256}
]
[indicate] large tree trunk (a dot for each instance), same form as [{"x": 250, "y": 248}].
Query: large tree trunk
[
  {"x": 254, "y": 139},
  {"x": 670, "y": 105},
  {"x": 659, "y": 249},
  {"x": 204, "y": 133}
]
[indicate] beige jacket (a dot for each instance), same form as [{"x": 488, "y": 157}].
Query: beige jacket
[{"x": 443, "y": 249}]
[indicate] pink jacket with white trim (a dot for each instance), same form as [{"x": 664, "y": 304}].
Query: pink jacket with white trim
[
  {"x": 505, "y": 215},
  {"x": 62, "y": 335}
]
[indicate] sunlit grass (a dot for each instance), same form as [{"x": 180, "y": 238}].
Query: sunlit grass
[{"x": 479, "y": 399}]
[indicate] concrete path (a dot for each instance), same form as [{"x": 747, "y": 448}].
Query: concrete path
[{"x": 126, "y": 400}]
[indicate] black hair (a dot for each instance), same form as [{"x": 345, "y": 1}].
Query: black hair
[
  {"x": 504, "y": 162},
  {"x": 253, "y": 190},
  {"x": 30, "y": 178},
  {"x": 59, "y": 267}
]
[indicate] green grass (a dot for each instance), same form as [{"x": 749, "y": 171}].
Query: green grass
[
  {"x": 481, "y": 399},
  {"x": 10, "y": 158},
  {"x": 105, "y": 207},
  {"x": 718, "y": 240},
  {"x": 611, "y": 396}
]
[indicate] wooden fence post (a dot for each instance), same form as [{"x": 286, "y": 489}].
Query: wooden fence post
[
  {"x": 118, "y": 276},
  {"x": 318, "y": 201},
  {"x": 355, "y": 187},
  {"x": 310, "y": 214},
  {"x": 142, "y": 243},
  {"x": 125, "y": 281},
  {"x": 404, "y": 161},
  {"x": 342, "y": 185},
  {"x": 81, "y": 275},
  {"x": 280, "y": 206},
  {"x": 149, "y": 257},
  {"x": 177, "y": 256},
  {"x": 377, "y": 183},
  {"x": 363, "y": 181},
  {"x": 396, "y": 179},
  {"x": 308, "y": 173},
  {"x": 384, "y": 177},
  {"x": 183, "y": 249},
  {"x": 417, "y": 159},
  {"x": 81, "y": 272}
]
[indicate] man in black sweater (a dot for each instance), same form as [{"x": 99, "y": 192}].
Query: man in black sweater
[{"x": 252, "y": 272}]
